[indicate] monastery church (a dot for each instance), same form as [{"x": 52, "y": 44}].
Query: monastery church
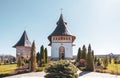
[{"x": 61, "y": 42}]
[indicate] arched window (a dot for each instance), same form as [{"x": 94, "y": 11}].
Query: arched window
[
  {"x": 66, "y": 38},
  {"x": 69, "y": 38},
  {"x": 61, "y": 52},
  {"x": 58, "y": 38}
]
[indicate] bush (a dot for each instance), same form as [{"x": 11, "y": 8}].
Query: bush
[
  {"x": 39, "y": 69},
  {"x": 61, "y": 69},
  {"x": 112, "y": 72},
  {"x": 43, "y": 65}
]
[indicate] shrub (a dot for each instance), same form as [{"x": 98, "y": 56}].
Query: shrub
[
  {"x": 105, "y": 62},
  {"x": 112, "y": 72},
  {"x": 61, "y": 69},
  {"x": 39, "y": 69},
  {"x": 43, "y": 65}
]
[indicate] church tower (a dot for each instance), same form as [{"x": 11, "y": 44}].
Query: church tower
[
  {"x": 61, "y": 41},
  {"x": 23, "y": 47}
]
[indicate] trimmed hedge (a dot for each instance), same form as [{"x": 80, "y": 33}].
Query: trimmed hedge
[{"x": 61, "y": 69}]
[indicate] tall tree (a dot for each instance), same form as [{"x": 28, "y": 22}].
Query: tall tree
[
  {"x": 46, "y": 55},
  {"x": 93, "y": 54},
  {"x": 79, "y": 55},
  {"x": 84, "y": 52},
  {"x": 110, "y": 59},
  {"x": 38, "y": 58},
  {"x": 89, "y": 61},
  {"x": 42, "y": 55},
  {"x": 33, "y": 57},
  {"x": 95, "y": 59}
]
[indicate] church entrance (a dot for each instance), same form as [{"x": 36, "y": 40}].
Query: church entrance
[{"x": 61, "y": 52}]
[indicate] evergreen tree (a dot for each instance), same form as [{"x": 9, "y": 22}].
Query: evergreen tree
[
  {"x": 105, "y": 62},
  {"x": 46, "y": 55},
  {"x": 38, "y": 58},
  {"x": 79, "y": 55},
  {"x": 93, "y": 54},
  {"x": 42, "y": 55},
  {"x": 89, "y": 48},
  {"x": 95, "y": 60},
  {"x": 89, "y": 61},
  {"x": 61, "y": 69},
  {"x": 33, "y": 57},
  {"x": 98, "y": 62},
  {"x": 84, "y": 52},
  {"x": 110, "y": 59}
]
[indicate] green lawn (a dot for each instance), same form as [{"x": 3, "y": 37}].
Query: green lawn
[
  {"x": 7, "y": 69},
  {"x": 113, "y": 68}
]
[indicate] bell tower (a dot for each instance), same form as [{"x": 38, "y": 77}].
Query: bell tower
[
  {"x": 23, "y": 47},
  {"x": 61, "y": 41}
]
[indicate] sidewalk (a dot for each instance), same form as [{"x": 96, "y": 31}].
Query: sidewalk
[{"x": 82, "y": 74}]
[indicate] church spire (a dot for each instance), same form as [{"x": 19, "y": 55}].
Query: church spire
[
  {"x": 61, "y": 29},
  {"x": 24, "y": 41},
  {"x": 61, "y": 21}
]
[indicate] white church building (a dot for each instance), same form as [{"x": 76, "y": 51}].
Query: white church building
[{"x": 61, "y": 41}]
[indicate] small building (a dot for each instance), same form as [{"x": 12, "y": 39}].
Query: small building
[
  {"x": 61, "y": 41},
  {"x": 23, "y": 47}
]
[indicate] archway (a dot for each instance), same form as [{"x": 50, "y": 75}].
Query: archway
[{"x": 61, "y": 52}]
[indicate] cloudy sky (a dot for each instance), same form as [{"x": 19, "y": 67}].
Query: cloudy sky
[{"x": 92, "y": 21}]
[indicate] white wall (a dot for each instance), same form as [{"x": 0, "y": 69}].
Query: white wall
[
  {"x": 55, "y": 49},
  {"x": 23, "y": 51}
]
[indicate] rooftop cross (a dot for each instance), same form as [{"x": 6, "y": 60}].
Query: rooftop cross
[{"x": 61, "y": 10}]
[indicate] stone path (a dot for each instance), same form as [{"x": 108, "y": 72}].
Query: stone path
[
  {"x": 82, "y": 75},
  {"x": 29, "y": 75},
  {"x": 97, "y": 75}
]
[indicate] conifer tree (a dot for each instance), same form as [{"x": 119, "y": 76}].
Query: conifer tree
[
  {"x": 79, "y": 55},
  {"x": 38, "y": 58},
  {"x": 95, "y": 60},
  {"x": 110, "y": 59},
  {"x": 33, "y": 57},
  {"x": 98, "y": 62},
  {"x": 93, "y": 54},
  {"x": 84, "y": 52},
  {"x": 42, "y": 55},
  {"x": 89, "y": 61},
  {"x": 46, "y": 55}
]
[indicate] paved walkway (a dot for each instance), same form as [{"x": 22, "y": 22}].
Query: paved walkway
[
  {"x": 82, "y": 75},
  {"x": 97, "y": 75},
  {"x": 29, "y": 75}
]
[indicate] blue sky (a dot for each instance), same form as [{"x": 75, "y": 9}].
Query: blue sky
[{"x": 92, "y": 21}]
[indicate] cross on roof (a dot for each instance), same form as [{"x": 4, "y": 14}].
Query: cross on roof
[{"x": 61, "y": 10}]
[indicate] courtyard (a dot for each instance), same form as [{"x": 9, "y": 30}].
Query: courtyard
[{"x": 81, "y": 73}]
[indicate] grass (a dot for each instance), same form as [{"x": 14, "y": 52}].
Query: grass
[
  {"x": 7, "y": 69},
  {"x": 113, "y": 68}
]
